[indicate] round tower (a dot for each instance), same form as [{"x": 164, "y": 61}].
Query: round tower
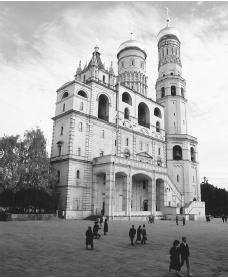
[
  {"x": 132, "y": 66},
  {"x": 170, "y": 85}
]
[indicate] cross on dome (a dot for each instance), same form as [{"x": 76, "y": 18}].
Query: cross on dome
[
  {"x": 167, "y": 17},
  {"x": 131, "y": 36}
]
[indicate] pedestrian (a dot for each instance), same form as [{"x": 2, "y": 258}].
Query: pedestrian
[
  {"x": 139, "y": 232},
  {"x": 184, "y": 221},
  {"x": 144, "y": 237},
  {"x": 176, "y": 219},
  {"x": 95, "y": 230},
  {"x": 184, "y": 252},
  {"x": 152, "y": 219},
  {"x": 175, "y": 257},
  {"x": 132, "y": 233},
  {"x": 223, "y": 218},
  {"x": 89, "y": 238},
  {"x": 226, "y": 218},
  {"x": 101, "y": 221},
  {"x": 105, "y": 226}
]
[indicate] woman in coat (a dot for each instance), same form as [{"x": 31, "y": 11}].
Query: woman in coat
[
  {"x": 175, "y": 257},
  {"x": 89, "y": 238},
  {"x": 139, "y": 232}
]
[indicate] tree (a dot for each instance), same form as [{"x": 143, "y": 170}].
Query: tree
[{"x": 216, "y": 199}]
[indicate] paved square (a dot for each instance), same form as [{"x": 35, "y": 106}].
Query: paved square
[{"x": 57, "y": 248}]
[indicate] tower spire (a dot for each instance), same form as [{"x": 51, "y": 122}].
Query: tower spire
[{"x": 167, "y": 17}]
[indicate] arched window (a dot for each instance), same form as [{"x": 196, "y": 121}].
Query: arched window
[
  {"x": 78, "y": 174},
  {"x": 141, "y": 145},
  {"x": 61, "y": 132},
  {"x": 103, "y": 108},
  {"x": 82, "y": 94},
  {"x": 157, "y": 112},
  {"x": 143, "y": 115},
  {"x": 171, "y": 73},
  {"x": 58, "y": 176},
  {"x": 103, "y": 78},
  {"x": 65, "y": 95},
  {"x": 59, "y": 149},
  {"x": 64, "y": 107},
  {"x": 80, "y": 127},
  {"x": 182, "y": 92},
  {"x": 177, "y": 178},
  {"x": 157, "y": 126},
  {"x": 126, "y": 98},
  {"x": 127, "y": 141},
  {"x": 162, "y": 92},
  {"x": 193, "y": 156},
  {"x": 126, "y": 113},
  {"x": 84, "y": 78},
  {"x": 81, "y": 106},
  {"x": 177, "y": 153},
  {"x": 173, "y": 90},
  {"x": 163, "y": 52}
]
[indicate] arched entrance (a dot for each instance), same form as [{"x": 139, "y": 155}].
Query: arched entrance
[
  {"x": 159, "y": 194},
  {"x": 141, "y": 189},
  {"x": 99, "y": 194}
]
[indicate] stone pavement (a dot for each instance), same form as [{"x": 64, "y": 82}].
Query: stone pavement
[{"x": 57, "y": 248}]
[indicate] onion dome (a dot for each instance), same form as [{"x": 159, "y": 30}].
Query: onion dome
[{"x": 131, "y": 44}]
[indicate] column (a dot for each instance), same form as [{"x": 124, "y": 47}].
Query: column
[
  {"x": 109, "y": 194},
  {"x": 153, "y": 196}
]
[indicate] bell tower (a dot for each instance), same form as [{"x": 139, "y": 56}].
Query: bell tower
[{"x": 182, "y": 158}]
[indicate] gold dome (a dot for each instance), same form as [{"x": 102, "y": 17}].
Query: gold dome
[{"x": 168, "y": 31}]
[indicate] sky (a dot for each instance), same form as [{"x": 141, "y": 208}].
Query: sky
[{"x": 41, "y": 44}]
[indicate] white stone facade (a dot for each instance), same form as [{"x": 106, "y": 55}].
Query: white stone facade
[{"x": 119, "y": 153}]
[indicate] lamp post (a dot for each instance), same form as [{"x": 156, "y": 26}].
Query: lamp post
[{"x": 1, "y": 169}]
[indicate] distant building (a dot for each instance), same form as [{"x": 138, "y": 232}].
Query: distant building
[{"x": 119, "y": 153}]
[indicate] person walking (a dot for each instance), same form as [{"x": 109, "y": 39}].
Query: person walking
[
  {"x": 132, "y": 233},
  {"x": 89, "y": 238},
  {"x": 105, "y": 226},
  {"x": 95, "y": 230},
  {"x": 176, "y": 219},
  {"x": 184, "y": 221},
  {"x": 101, "y": 222},
  {"x": 144, "y": 237},
  {"x": 139, "y": 232},
  {"x": 184, "y": 252},
  {"x": 175, "y": 257}
]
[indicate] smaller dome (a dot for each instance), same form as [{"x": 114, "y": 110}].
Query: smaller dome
[
  {"x": 131, "y": 44},
  {"x": 172, "y": 31}
]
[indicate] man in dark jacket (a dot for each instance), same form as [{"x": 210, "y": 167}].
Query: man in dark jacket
[
  {"x": 184, "y": 252},
  {"x": 105, "y": 226},
  {"x": 95, "y": 230},
  {"x": 132, "y": 233},
  {"x": 89, "y": 238}
]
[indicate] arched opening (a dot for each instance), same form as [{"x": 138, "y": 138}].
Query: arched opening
[
  {"x": 120, "y": 192},
  {"x": 173, "y": 90},
  {"x": 193, "y": 156},
  {"x": 157, "y": 112},
  {"x": 58, "y": 176},
  {"x": 182, "y": 92},
  {"x": 126, "y": 113},
  {"x": 141, "y": 198},
  {"x": 82, "y": 94},
  {"x": 158, "y": 126},
  {"x": 78, "y": 174},
  {"x": 160, "y": 194},
  {"x": 177, "y": 153},
  {"x": 126, "y": 98},
  {"x": 143, "y": 115},
  {"x": 103, "y": 108},
  {"x": 103, "y": 78},
  {"x": 99, "y": 193},
  {"x": 66, "y": 94},
  {"x": 64, "y": 107},
  {"x": 162, "y": 92}
]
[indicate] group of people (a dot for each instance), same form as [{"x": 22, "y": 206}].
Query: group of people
[
  {"x": 183, "y": 220},
  {"x": 94, "y": 234},
  {"x": 140, "y": 234},
  {"x": 224, "y": 218},
  {"x": 179, "y": 255}
]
